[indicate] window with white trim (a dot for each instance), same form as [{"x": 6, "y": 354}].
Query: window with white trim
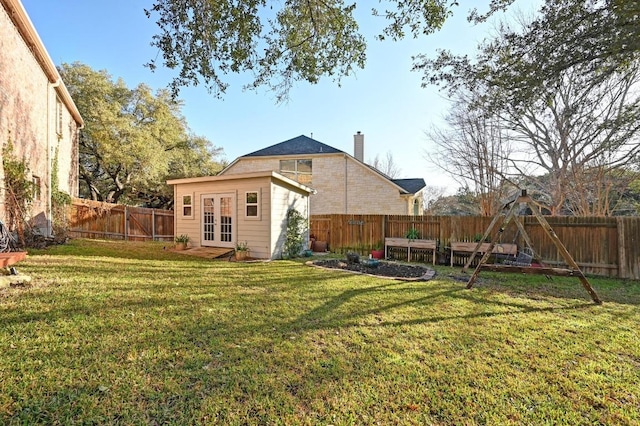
[
  {"x": 252, "y": 205},
  {"x": 187, "y": 205},
  {"x": 299, "y": 170}
]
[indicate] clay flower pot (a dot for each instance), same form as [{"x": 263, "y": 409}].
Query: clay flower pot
[
  {"x": 242, "y": 255},
  {"x": 377, "y": 254}
]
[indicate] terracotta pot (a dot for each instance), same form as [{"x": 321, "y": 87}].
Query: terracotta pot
[
  {"x": 377, "y": 254},
  {"x": 181, "y": 246},
  {"x": 320, "y": 246},
  {"x": 242, "y": 255}
]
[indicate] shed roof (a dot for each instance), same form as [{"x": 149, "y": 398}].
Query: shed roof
[{"x": 261, "y": 174}]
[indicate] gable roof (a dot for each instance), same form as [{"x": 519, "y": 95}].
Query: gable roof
[
  {"x": 410, "y": 185},
  {"x": 304, "y": 145},
  {"x": 301, "y": 145}
]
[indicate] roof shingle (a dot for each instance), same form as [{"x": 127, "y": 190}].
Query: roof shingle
[
  {"x": 301, "y": 145},
  {"x": 412, "y": 186}
]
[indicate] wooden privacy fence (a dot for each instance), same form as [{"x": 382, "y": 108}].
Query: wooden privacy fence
[
  {"x": 92, "y": 219},
  {"x": 606, "y": 246}
]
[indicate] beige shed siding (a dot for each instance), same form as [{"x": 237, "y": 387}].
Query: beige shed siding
[
  {"x": 28, "y": 119},
  {"x": 254, "y": 231},
  {"x": 343, "y": 185},
  {"x": 283, "y": 199}
]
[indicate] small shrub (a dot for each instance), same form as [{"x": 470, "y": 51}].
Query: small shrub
[
  {"x": 412, "y": 234},
  {"x": 294, "y": 241}
]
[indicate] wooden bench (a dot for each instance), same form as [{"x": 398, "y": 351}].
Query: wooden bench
[
  {"x": 409, "y": 244},
  {"x": 463, "y": 247}
]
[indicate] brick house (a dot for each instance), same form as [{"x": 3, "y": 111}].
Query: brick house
[
  {"x": 37, "y": 113},
  {"x": 343, "y": 183}
]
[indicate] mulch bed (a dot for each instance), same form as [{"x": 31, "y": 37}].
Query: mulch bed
[{"x": 394, "y": 270}]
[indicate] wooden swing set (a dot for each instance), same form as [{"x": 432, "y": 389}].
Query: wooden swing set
[{"x": 520, "y": 265}]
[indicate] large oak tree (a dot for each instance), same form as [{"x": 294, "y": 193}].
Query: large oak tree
[
  {"x": 133, "y": 140},
  {"x": 280, "y": 42}
]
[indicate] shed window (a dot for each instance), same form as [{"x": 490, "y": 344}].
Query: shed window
[
  {"x": 187, "y": 205},
  {"x": 252, "y": 205}
]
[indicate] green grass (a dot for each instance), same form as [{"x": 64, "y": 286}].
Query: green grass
[{"x": 126, "y": 333}]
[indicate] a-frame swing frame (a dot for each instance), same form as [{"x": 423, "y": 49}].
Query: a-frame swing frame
[{"x": 574, "y": 270}]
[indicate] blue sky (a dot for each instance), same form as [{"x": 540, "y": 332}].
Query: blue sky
[{"x": 384, "y": 101}]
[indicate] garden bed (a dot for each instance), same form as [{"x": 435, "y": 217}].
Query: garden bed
[{"x": 383, "y": 269}]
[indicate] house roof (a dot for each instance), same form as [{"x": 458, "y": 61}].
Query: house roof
[
  {"x": 301, "y": 145},
  {"x": 410, "y": 185},
  {"x": 304, "y": 145}
]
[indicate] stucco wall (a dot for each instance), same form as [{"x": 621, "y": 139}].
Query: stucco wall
[
  {"x": 28, "y": 119},
  {"x": 343, "y": 185}
]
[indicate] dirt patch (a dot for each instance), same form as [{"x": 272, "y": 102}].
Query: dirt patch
[{"x": 383, "y": 269}]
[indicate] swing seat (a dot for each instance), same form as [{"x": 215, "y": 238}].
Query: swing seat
[{"x": 523, "y": 258}]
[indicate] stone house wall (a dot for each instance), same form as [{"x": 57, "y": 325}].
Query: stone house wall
[{"x": 35, "y": 115}]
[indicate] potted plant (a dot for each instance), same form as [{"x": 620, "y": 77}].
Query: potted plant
[
  {"x": 242, "y": 250},
  {"x": 182, "y": 241},
  {"x": 378, "y": 251},
  {"x": 412, "y": 234}
]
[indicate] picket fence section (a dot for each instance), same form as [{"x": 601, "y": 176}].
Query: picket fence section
[
  {"x": 606, "y": 246},
  {"x": 92, "y": 219}
]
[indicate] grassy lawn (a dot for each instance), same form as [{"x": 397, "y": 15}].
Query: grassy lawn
[{"x": 129, "y": 333}]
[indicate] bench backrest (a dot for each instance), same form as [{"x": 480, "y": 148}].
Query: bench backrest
[
  {"x": 406, "y": 242},
  {"x": 466, "y": 246}
]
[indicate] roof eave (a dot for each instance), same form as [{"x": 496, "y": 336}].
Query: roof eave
[{"x": 21, "y": 20}]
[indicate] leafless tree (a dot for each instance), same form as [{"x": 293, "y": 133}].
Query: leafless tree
[
  {"x": 431, "y": 194},
  {"x": 473, "y": 149},
  {"x": 387, "y": 165},
  {"x": 577, "y": 138}
]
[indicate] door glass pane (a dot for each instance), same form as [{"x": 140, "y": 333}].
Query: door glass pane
[
  {"x": 226, "y": 220},
  {"x": 208, "y": 219}
]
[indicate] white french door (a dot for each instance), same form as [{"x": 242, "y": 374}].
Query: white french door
[{"x": 218, "y": 213}]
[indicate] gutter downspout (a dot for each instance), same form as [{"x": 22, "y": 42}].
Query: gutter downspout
[
  {"x": 346, "y": 185},
  {"x": 49, "y": 208}
]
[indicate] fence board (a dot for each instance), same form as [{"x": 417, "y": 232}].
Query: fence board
[
  {"x": 603, "y": 246},
  {"x": 91, "y": 219}
]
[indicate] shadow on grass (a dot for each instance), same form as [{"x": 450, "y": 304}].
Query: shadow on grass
[{"x": 327, "y": 315}]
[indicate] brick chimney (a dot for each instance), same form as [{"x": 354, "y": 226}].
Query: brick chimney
[{"x": 358, "y": 146}]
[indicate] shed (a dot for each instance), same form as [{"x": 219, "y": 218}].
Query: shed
[{"x": 220, "y": 211}]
